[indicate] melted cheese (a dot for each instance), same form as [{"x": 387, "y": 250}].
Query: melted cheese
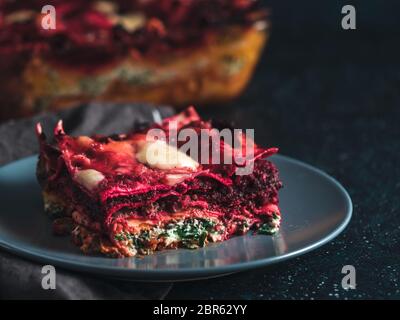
[
  {"x": 89, "y": 178},
  {"x": 160, "y": 155}
]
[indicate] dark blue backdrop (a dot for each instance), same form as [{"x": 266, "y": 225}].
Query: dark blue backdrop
[{"x": 331, "y": 98}]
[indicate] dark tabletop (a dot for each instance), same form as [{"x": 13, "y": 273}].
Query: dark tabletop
[{"x": 331, "y": 98}]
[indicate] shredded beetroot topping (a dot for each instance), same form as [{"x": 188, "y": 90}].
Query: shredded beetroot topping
[
  {"x": 102, "y": 179},
  {"x": 116, "y": 28}
]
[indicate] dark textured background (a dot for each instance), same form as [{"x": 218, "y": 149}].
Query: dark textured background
[{"x": 329, "y": 97}]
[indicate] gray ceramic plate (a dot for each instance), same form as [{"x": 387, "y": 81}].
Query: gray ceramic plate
[{"x": 315, "y": 209}]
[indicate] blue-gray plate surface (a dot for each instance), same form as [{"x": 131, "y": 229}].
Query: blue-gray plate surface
[{"x": 315, "y": 208}]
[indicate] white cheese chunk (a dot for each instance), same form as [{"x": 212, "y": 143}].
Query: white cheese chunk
[
  {"x": 132, "y": 22},
  {"x": 172, "y": 179},
  {"x": 89, "y": 178},
  {"x": 160, "y": 155}
]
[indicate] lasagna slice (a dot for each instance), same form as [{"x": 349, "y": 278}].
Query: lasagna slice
[{"x": 118, "y": 196}]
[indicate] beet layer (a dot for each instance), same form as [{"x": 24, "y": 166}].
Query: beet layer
[{"x": 126, "y": 190}]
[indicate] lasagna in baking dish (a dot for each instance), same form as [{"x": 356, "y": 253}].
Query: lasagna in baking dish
[
  {"x": 134, "y": 194},
  {"x": 171, "y": 52}
]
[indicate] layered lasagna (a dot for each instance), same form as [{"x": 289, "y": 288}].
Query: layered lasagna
[
  {"x": 134, "y": 194},
  {"x": 171, "y": 52}
]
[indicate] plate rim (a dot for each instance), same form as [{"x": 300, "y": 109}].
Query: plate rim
[{"x": 179, "y": 274}]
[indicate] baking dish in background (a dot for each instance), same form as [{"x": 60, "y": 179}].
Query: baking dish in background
[{"x": 165, "y": 52}]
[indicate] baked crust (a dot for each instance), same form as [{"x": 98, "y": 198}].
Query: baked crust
[{"x": 215, "y": 73}]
